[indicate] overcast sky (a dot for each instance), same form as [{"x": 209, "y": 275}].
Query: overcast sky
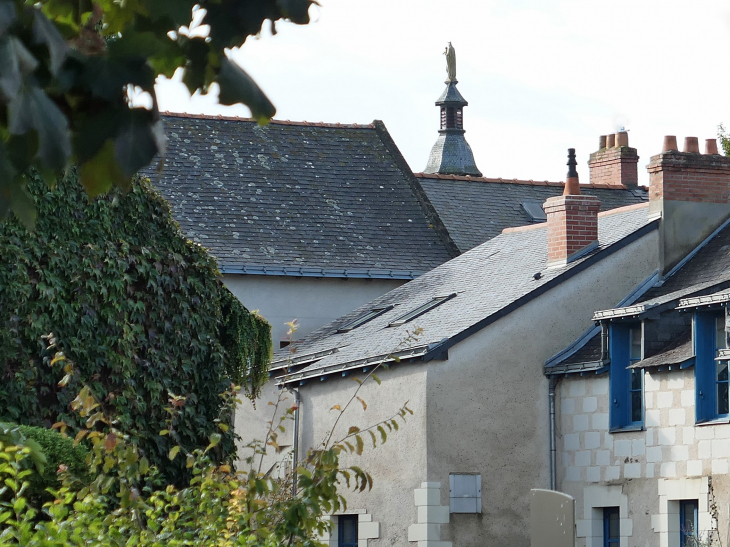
[{"x": 540, "y": 76}]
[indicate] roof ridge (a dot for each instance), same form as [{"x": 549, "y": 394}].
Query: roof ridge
[
  {"x": 500, "y": 180},
  {"x": 276, "y": 122},
  {"x": 623, "y": 209}
]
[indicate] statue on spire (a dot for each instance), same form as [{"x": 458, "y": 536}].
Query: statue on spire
[{"x": 450, "y": 63}]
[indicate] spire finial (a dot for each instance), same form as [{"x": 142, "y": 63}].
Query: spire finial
[{"x": 450, "y": 53}]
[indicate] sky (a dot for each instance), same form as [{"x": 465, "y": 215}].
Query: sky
[{"x": 540, "y": 76}]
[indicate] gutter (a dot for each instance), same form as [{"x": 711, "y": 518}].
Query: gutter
[
  {"x": 295, "y": 447},
  {"x": 553, "y": 450}
]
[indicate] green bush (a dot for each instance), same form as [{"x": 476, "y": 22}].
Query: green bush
[
  {"x": 138, "y": 308},
  {"x": 58, "y": 450}
]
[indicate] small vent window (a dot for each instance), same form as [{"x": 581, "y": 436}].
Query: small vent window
[
  {"x": 369, "y": 316},
  {"x": 534, "y": 211},
  {"x": 428, "y": 306},
  {"x": 466, "y": 493}
]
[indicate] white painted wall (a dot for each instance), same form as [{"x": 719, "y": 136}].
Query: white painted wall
[{"x": 314, "y": 302}]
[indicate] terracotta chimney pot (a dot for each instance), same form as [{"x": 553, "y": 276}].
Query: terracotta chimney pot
[
  {"x": 622, "y": 138},
  {"x": 602, "y": 142},
  {"x": 670, "y": 144},
  {"x": 711, "y": 146},
  {"x": 572, "y": 184},
  {"x": 610, "y": 141},
  {"x": 691, "y": 145}
]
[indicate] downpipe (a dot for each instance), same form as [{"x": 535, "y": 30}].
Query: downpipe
[
  {"x": 295, "y": 445},
  {"x": 553, "y": 451}
]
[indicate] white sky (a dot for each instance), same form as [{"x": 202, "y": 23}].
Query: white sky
[{"x": 540, "y": 76}]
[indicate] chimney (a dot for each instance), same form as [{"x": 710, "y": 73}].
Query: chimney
[
  {"x": 572, "y": 220},
  {"x": 614, "y": 163},
  {"x": 691, "y": 193}
]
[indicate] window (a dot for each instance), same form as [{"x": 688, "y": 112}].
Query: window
[
  {"x": 711, "y": 376},
  {"x": 688, "y": 536},
  {"x": 466, "y": 493},
  {"x": 372, "y": 314},
  {"x": 428, "y": 306},
  {"x": 626, "y": 384},
  {"x": 611, "y": 527},
  {"x": 535, "y": 211},
  {"x": 347, "y": 531}
]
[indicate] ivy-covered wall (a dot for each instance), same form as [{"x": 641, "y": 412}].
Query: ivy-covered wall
[{"x": 140, "y": 310}]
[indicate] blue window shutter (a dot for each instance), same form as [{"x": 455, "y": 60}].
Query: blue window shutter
[
  {"x": 704, "y": 339},
  {"x": 619, "y": 347}
]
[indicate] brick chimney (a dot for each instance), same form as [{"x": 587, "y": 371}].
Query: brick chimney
[
  {"x": 690, "y": 192},
  {"x": 572, "y": 220},
  {"x": 614, "y": 163}
]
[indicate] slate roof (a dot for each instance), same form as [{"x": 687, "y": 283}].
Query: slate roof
[
  {"x": 489, "y": 281},
  {"x": 299, "y": 198},
  {"x": 677, "y": 352},
  {"x": 699, "y": 276},
  {"x": 475, "y": 210}
]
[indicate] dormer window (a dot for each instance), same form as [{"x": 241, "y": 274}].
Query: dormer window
[{"x": 626, "y": 379}]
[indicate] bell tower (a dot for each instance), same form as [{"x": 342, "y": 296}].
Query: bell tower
[{"x": 451, "y": 155}]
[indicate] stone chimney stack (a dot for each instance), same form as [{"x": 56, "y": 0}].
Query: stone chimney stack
[
  {"x": 690, "y": 192},
  {"x": 572, "y": 220},
  {"x": 614, "y": 163}
]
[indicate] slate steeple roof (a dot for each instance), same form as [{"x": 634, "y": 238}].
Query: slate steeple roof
[{"x": 452, "y": 155}]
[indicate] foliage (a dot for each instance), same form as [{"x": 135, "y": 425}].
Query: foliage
[
  {"x": 68, "y": 68},
  {"x": 60, "y": 453},
  {"x": 135, "y": 305},
  {"x": 724, "y": 139},
  {"x": 220, "y": 507}
]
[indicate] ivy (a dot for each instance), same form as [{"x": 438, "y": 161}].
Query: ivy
[{"x": 139, "y": 309}]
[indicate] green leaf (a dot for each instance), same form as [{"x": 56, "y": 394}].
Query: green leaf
[
  {"x": 236, "y": 86},
  {"x": 297, "y": 11},
  {"x": 138, "y": 141},
  {"x": 360, "y": 444},
  {"x": 144, "y": 465},
  {"x": 45, "y": 32},
  {"x": 353, "y": 429},
  {"x": 32, "y": 109},
  {"x": 16, "y": 62},
  {"x": 101, "y": 172},
  {"x": 8, "y": 184},
  {"x": 375, "y": 377},
  {"x": 214, "y": 439},
  {"x": 7, "y": 15},
  {"x": 173, "y": 452}
]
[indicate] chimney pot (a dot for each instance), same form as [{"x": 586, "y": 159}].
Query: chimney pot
[
  {"x": 691, "y": 145},
  {"x": 602, "y": 142},
  {"x": 622, "y": 138},
  {"x": 670, "y": 144},
  {"x": 610, "y": 141},
  {"x": 572, "y": 184},
  {"x": 711, "y": 146}
]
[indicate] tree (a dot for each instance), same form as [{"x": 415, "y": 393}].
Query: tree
[{"x": 67, "y": 68}]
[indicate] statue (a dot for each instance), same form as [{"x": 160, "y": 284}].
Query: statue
[{"x": 450, "y": 63}]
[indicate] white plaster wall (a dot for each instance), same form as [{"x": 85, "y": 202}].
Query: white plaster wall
[
  {"x": 672, "y": 450},
  {"x": 314, "y": 302},
  {"x": 399, "y": 465},
  {"x": 488, "y": 404}
]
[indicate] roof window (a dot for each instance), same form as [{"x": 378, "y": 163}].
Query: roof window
[
  {"x": 428, "y": 306},
  {"x": 369, "y": 316},
  {"x": 534, "y": 210}
]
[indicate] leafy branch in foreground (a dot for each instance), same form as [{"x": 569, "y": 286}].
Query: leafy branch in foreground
[{"x": 69, "y": 67}]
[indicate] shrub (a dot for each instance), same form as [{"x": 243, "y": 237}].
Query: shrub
[{"x": 58, "y": 450}]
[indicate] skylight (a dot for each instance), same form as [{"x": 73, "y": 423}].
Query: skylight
[
  {"x": 372, "y": 314},
  {"x": 534, "y": 210},
  {"x": 428, "y": 306}
]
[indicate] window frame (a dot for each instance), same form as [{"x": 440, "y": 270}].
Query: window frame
[
  {"x": 420, "y": 310},
  {"x": 364, "y": 318},
  {"x": 341, "y": 530},
  {"x": 683, "y": 504},
  {"x": 607, "y": 540},
  {"x": 620, "y": 377},
  {"x": 704, "y": 336}
]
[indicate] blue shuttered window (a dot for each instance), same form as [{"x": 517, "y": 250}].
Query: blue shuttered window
[
  {"x": 711, "y": 377},
  {"x": 611, "y": 527},
  {"x": 626, "y": 385}
]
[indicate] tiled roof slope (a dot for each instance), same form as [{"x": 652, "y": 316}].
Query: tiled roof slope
[
  {"x": 298, "y": 197},
  {"x": 475, "y": 210},
  {"x": 489, "y": 281},
  {"x": 708, "y": 268}
]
